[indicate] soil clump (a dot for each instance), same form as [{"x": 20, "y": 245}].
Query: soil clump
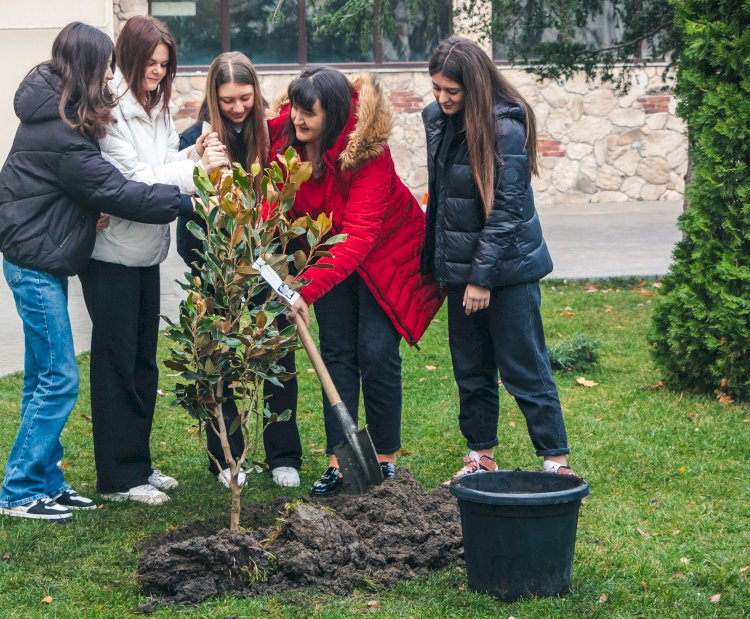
[{"x": 397, "y": 530}]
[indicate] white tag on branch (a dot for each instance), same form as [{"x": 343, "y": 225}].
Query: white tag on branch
[{"x": 272, "y": 279}]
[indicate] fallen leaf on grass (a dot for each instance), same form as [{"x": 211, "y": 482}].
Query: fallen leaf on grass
[
  {"x": 723, "y": 398},
  {"x": 581, "y": 380},
  {"x": 591, "y": 288},
  {"x": 421, "y": 380},
  {"x": 568, "y": 313},
  {"x": 645, "y": 534},
  {"x": 656, "y": 284},
  {"x": 373, "y": 604},
  {"x": 744, "y": 569},
  {"x": 746, "y": 420},
  {"x": 404, "y": 452},
  {"x": 715, "y": 598},
  {"x": 603, "y": 598},
  {"x": 311, "y": 370},
  {"x": 644, "y": 584},
  {"x": 676, "y": 532},
  {"x": 512, "y": 424},
  {"x": 318, "y": 452},
  {"x": 7, "y": 556},
  {"x": 608, "y": 309},
  {"x": 48, "y": 599},
  {"x": 430, "y": 368},
  {"x": 684, "y": 560},
  {"x": 656, "y": 386},
  {"x": 86, "y": 417}
]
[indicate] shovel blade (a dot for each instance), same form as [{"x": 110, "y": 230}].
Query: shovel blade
[{"x": 358, "y": 462}]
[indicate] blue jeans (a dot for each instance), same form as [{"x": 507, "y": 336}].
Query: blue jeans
[{"x": 50, "y": 386}]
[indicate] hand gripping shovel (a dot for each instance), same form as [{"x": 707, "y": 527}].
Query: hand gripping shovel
[{"x": 357, "y": 458}]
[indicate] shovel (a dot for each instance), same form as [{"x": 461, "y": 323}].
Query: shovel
[{"x": 356, "y": 455}]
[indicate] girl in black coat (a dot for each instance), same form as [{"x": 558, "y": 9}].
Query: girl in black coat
[
  {"x": 234, "y": 108},
  {"x": 53, "y": 187},
  {"x": 484, "y": 243}
]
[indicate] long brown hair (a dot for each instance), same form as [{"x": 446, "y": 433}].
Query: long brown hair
[
  {"x": 464, "y": 62},
  {"x": 236, "y": 68},
  {"x": 80, "y": 54},
  {"x": 136, "y": 43}
]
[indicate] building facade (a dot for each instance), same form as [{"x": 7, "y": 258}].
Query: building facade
[{"x": 595, "y": 145}]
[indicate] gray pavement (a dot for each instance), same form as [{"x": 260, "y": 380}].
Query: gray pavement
[{"x": 585, "y": 240}]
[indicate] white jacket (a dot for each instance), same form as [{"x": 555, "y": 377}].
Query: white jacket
[{"x": 144, "y": 149}]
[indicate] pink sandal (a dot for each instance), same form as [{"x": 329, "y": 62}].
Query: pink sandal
[{"x": 474, "y": 463}]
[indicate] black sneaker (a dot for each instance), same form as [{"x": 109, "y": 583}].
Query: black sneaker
[
  {"x": 329, "y": 483},
  {"x": 72, "y": 500},
  {"x": 41, "y": 509},
  {"x": 388, "y": 469}
]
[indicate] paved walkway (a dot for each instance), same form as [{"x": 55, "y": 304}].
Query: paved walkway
[{"x": 586, "y": 241}]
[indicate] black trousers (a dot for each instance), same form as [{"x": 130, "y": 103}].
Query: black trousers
[
  {"x": 359, "y": 345},
  {"x": 123, "y": 303},
  {"x": 280, "y": 439},
  {"x": 507, "y": 337}
]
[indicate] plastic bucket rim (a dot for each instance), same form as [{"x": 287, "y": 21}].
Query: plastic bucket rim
[{"x": 569, "y": 495}]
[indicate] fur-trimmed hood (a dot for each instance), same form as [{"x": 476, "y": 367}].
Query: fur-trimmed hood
[{"x": 366, "y": 134}]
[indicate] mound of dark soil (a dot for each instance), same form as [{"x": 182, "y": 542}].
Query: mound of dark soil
[{"x": 395, "y": 531}]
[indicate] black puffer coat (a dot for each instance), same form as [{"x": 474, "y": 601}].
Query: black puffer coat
[
  {"x": 462, "y": 246},
  {"x": 55, "y": 183}
]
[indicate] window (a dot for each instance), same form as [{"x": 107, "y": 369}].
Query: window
[
  {"x": 600, "y": 31},
  {"x": 298, "y": 32}
]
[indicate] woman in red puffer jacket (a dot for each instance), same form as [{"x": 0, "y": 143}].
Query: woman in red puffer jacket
[{"x": 374, "y": 295}]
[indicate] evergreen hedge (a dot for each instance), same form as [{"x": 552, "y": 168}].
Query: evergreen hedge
[{"x": 701, "y": 330}]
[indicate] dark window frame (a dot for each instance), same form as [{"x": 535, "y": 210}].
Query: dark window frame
[{"x": 302, "y": 46}]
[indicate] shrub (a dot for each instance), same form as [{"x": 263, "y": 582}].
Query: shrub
[
  {"x": 701, "y": 330},
  {"x": 579, "y": 352}
]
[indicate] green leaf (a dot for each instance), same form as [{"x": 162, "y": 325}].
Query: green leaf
[{"x": 196, "y": 231}]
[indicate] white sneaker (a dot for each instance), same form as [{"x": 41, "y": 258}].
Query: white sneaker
[
  {"x": 141, "y": 494},
  {"x": 286, "y": 476},
  {"x": 161, "y": 481},
  {"x": 226, "y": 475}
]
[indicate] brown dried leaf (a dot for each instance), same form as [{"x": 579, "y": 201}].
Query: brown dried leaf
[
  {"x": 47, "y": 599},
  {"x": 723, "y": 398},
  {"x": 430, "y": 368},
  {"x": 581, "y": 380},
  {"x": 568, "y": 313},
  {"x": 714, "y": 599},
  {"x": 744, "y": 569},
  {"x": 373, "y": 604},
  {"x": 644, "y": 584},
  {"x": 603, "y": 598}
]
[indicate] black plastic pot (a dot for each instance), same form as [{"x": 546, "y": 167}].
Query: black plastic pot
[{"x": 519, "y": 530}]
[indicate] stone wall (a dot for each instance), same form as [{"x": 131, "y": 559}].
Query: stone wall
[{"x": 595, "y": 146}]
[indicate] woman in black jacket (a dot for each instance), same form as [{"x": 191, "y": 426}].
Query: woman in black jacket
[
  {"x": 234, "y": 108},
  {"x": 53, "y": 187},
  {"x": 484, "y": 243}
]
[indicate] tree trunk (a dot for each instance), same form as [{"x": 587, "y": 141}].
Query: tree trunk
[{"x": 234, "y": 515}]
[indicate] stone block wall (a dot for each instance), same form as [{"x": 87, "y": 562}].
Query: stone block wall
[{"x": 594, "y": 145}]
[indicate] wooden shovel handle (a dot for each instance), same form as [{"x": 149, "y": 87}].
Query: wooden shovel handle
[{"x": 320, "y": 369}]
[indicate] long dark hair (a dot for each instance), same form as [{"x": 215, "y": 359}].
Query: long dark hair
[
  {"x": 236, "y": 68},
  {"x": 136, "y": 43},
  {"x": 80, "y": 54},
  {"x": 463, "y": 61},
  {"x": 334, "y": 92}
]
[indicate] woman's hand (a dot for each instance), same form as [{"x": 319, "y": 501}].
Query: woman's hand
[
  {"x": 200, "y": 143},
  {"x": 475, "y": 298},
  {"x": 214, "y": 157},
  {"x": 102, "y": 222},
  {"x": 301, "y": 309}
]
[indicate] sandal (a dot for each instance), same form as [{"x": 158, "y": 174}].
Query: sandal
[
  {"x": 560, "y": 469},
  {"x": 474, "y": 463}
]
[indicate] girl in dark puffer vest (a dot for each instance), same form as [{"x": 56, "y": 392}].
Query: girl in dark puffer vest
[
  {"x": 234, "y": 108},
  {"x": 484, "y": 243},
  {"x": 52, "y": 188}
]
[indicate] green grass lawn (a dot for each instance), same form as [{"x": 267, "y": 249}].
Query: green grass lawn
[{"x": 664, "y": 532}]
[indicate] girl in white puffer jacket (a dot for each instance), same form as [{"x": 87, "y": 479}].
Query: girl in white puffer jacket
[{"x": 121, "y": 284}]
